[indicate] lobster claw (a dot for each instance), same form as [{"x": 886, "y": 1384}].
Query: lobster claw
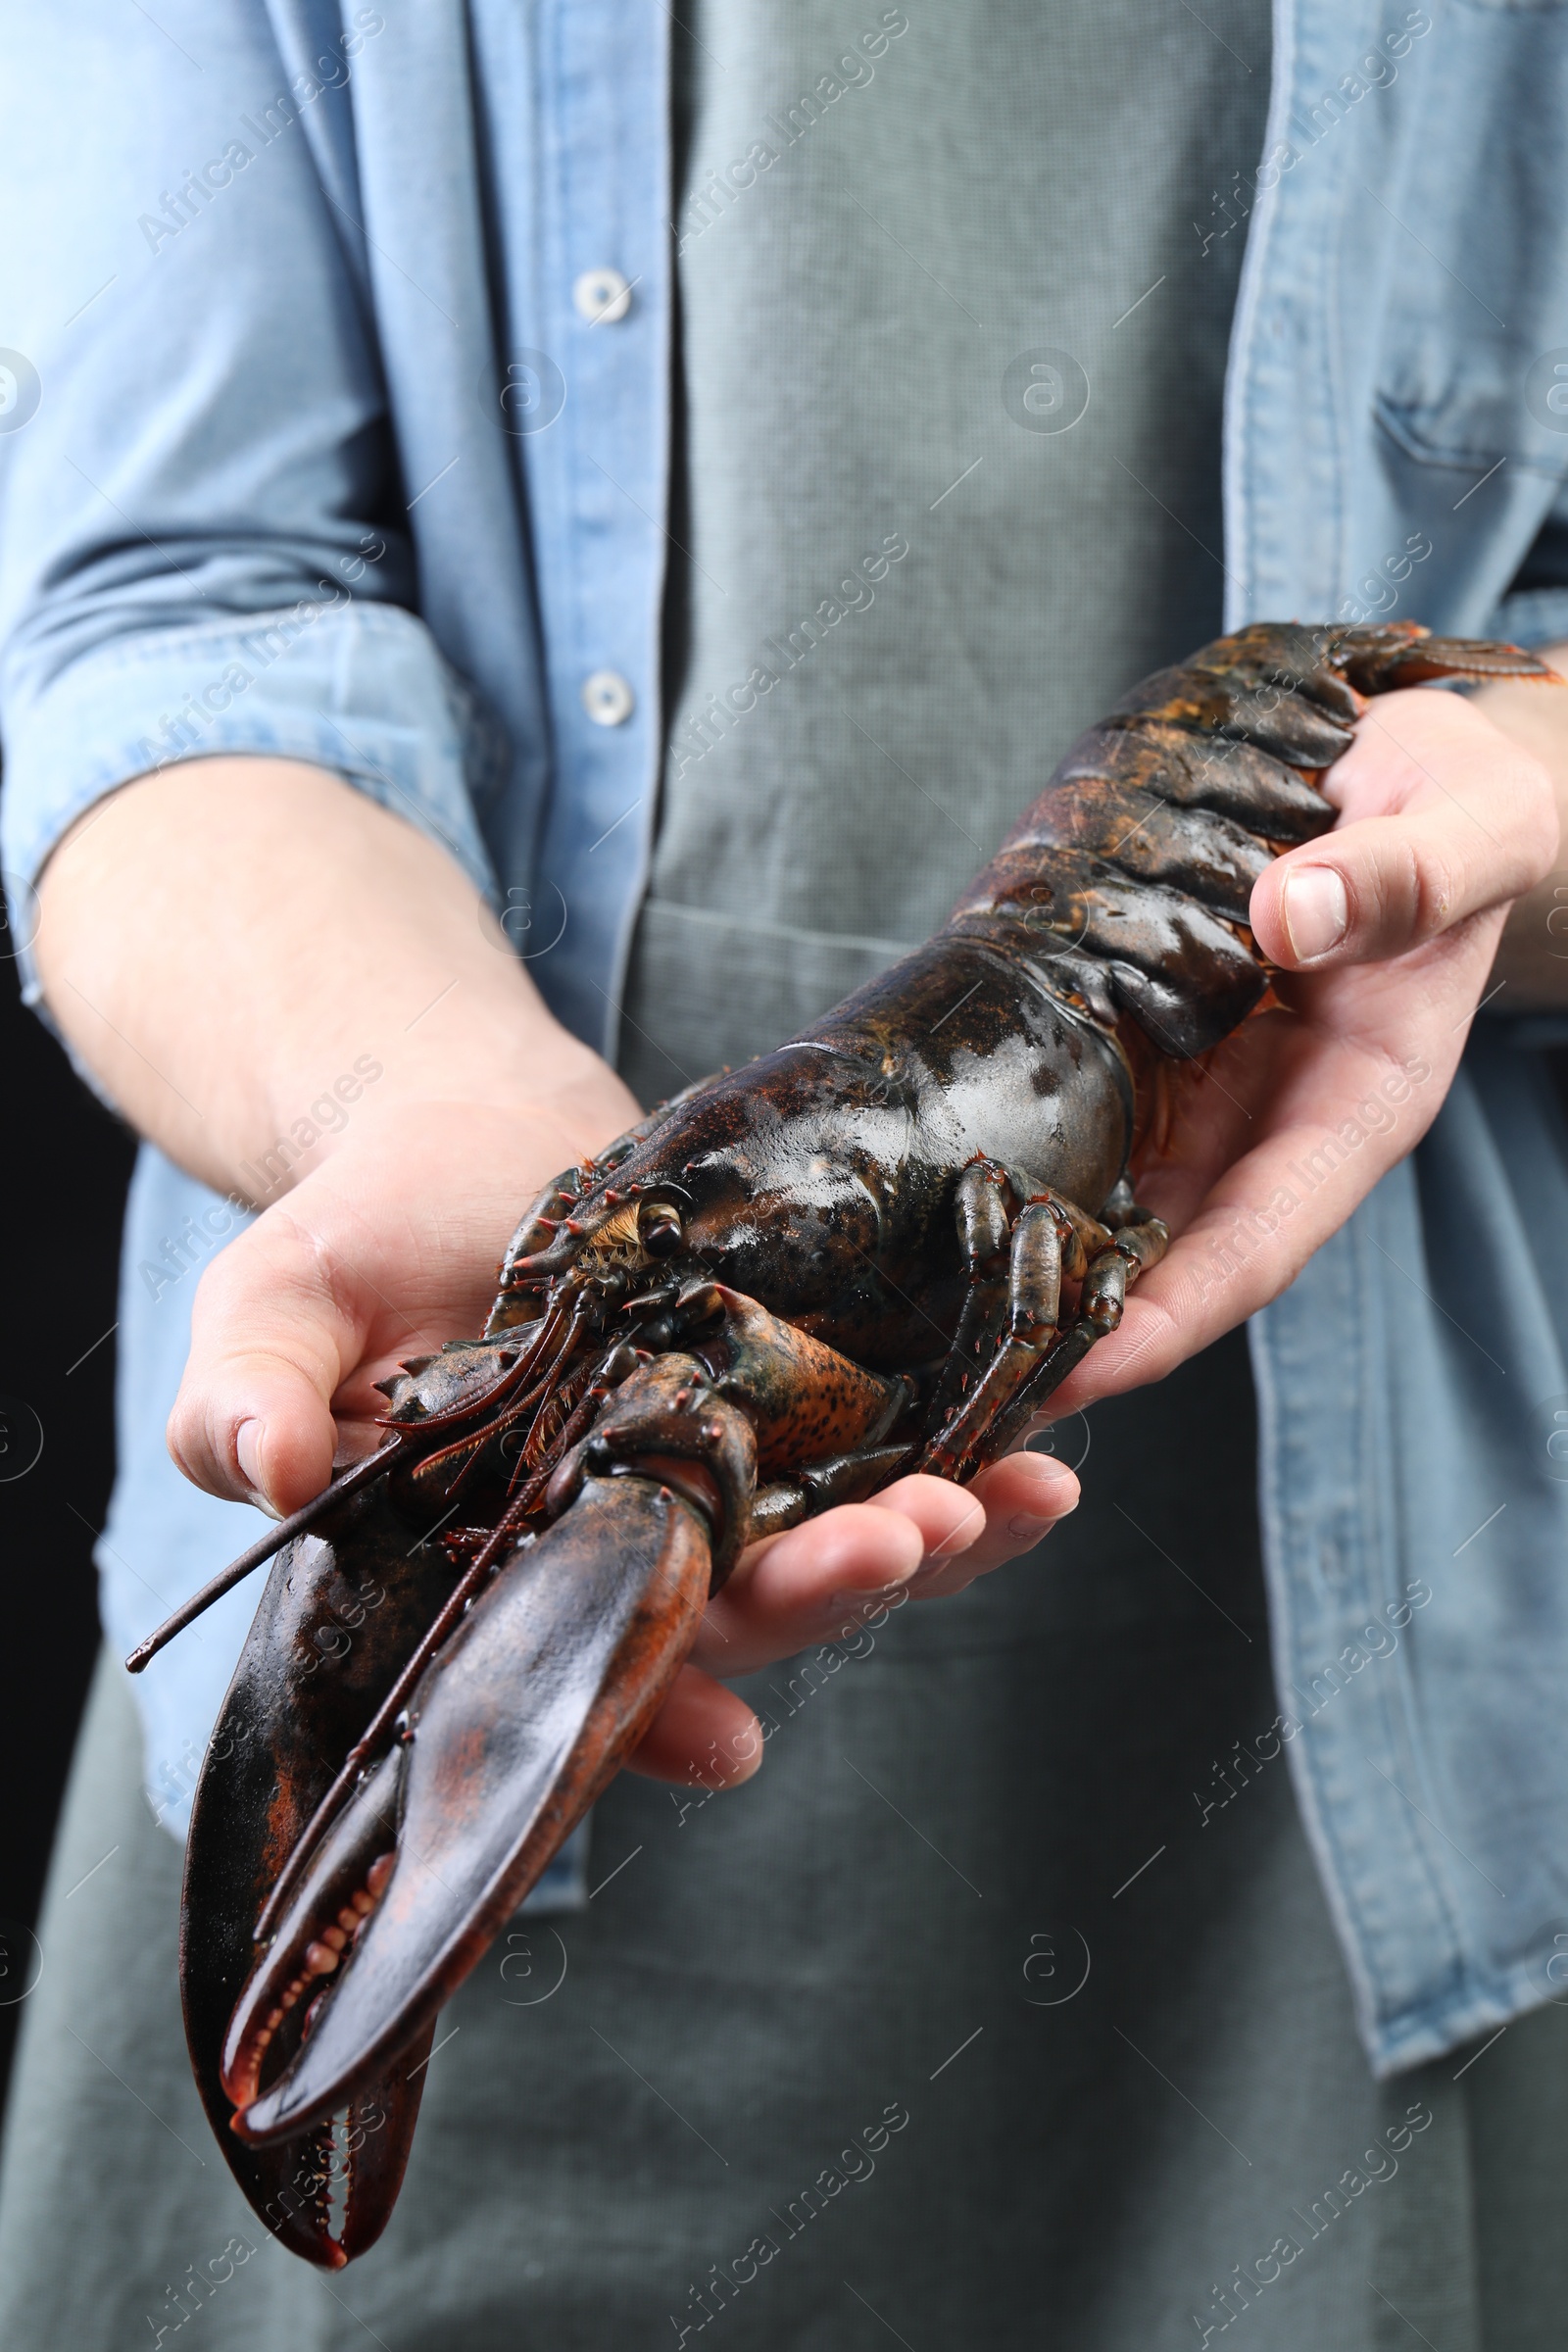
[
  {"x": 519, "y": 1720},
  {"x": 340, "y": 1614}
]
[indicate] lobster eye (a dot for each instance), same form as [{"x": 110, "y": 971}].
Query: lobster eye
[{"x": 660, "y": 1228}]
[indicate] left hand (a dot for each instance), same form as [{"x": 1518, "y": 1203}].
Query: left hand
[{"x": 1385, "y": 931}]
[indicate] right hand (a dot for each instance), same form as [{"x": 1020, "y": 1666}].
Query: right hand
[{"x": 387, "y": 1248}]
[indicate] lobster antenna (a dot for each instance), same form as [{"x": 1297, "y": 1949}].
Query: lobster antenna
[{"x": 263, "y": 1549}]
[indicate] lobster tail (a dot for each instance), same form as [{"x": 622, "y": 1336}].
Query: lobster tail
[{"x": 1126, "y": 887}]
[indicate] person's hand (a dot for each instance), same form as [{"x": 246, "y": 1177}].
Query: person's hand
[
  {"x": 834, "y": 1579},
  {"x": 1385, "y": 932},
  {"x": 388, "y": 1248}
]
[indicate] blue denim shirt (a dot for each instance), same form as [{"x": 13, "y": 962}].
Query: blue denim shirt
[{"x": 284, "y": 255}]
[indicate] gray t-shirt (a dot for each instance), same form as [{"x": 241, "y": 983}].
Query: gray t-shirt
[{"x": 956, "y": 290}]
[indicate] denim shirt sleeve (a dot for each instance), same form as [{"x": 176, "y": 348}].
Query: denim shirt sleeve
[
  {"x": 275, "y": 477},
  {"x": 200, "y": 564}
]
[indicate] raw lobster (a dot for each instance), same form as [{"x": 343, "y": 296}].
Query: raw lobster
[{"x": 878, "y": 1249}]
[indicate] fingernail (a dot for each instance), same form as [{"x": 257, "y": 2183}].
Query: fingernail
[
  {"x": 248, "y": 1453},
  {"x": 1026, "y": 1528},
  {"x": 1317, "y": 912},
  {"x": 1043, "y": 1468}
]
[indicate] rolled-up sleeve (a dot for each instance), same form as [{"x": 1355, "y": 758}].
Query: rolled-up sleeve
[{"x": 203, "y": 542}]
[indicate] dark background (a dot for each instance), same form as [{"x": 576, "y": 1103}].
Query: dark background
[{"x": 62, "y": 1176}]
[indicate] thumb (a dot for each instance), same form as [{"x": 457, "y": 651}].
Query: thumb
[
  {"x": 1376, "y": 889},
  {"x": 276, "y": 1328},
  {"x": 1443, "y": 817}
]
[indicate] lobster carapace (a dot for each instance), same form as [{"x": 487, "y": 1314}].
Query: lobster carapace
[{"x": 878, "y": 1249}]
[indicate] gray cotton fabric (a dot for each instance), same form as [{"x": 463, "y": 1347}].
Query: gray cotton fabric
[{"x": 1002, "y": 189}]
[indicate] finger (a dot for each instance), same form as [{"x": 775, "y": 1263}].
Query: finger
[
  {"x": 1446, "y": 818},
  {"x": 1005, "y": 1511},
  {"x": 703, "y": 1735},
  {"x": 1378, "y": 890},
  {"x": 274, "y": 1330},
  {"x": 1025, "y": 1496},
  {"x": 820, "y": 1582},
  {"x": 802, "y": 1586}
]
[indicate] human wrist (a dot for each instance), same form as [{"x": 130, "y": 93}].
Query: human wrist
[
  {"x": 259, "y": 964},
  {"x": 551, "y": 1100}
]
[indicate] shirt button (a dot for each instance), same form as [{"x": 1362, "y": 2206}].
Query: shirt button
[
  {"x": 607, "y": 699},
  {"x": 602, "y": 296}
]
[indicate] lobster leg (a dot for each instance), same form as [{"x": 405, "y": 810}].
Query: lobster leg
[
  {"x": 1051, "y": 1237},
  {"x": 980, "y": 1208},
  {"x": 1003, "y": 1288},
  {"x": 1032, "y": 1305},
  {"x": 1100, "y": 1308}
]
